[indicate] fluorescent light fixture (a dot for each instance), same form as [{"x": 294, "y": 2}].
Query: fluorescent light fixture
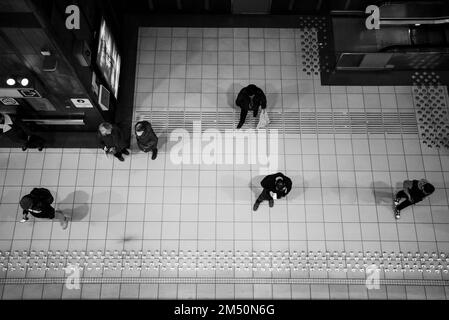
[
  {"x": 10, "y": 82},
  {"x": 24, "y": 82}
]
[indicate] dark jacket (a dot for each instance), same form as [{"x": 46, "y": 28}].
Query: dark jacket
[
  {"x": 42, "y": 200},
  {"x": 148, "y": 140},
  {"x": 113, "y": 140},
  {"x": 416, "y": 193},
  {"x": 243, "y": 101},
  {"x": 269, "y": 183}
]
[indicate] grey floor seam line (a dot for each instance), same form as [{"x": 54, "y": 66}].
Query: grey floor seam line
[{"x": 217, "y": 280}]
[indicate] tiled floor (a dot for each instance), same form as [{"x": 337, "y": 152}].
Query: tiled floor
[{"x": 342, "y": 184}]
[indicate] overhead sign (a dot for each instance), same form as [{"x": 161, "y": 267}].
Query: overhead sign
[
  {"x": 82, "y": 103},
  {"x": 9, "y": 101}
]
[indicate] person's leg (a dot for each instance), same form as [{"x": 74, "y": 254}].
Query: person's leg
[
  {"x": 125, "y": 151},
  {"x": 265, "y": 195},
  {"x": 154, "y": 155},
  {"x": 119, "y": 156},
  {"x": 255, "y": 111},
  {"x": 400, "y": 195},
  {"x": 398, "y": 207},
  {"x": 404, "y": 204},
  {"x": 63, "y": 220}
]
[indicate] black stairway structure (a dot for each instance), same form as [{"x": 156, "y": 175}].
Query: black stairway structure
[{"x": 413, "y": 35}]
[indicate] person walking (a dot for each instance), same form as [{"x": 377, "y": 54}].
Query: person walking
[
  {"x": 275, "y": 186},
  {"x": 414, "y": 191},
  {"x": 250, "y": 98},
  {"x": 16, "y": 131},
  {"x": 111, "y": 140},
  {"x": 38, "y": 204},
  {"x": 146, "y": 138}
]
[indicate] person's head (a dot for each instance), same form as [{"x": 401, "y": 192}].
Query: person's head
[
  {"x": 26, "y": 202},
  {"x": 105, "y": 128},
  {"x": 280, "y": 184},
  {"x": 428, "y": 188},
  {"x": 251, "y": 89},
  {"x": 140, "y": 128}
]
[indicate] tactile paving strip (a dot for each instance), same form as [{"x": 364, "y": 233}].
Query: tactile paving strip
[
  {"x": 432, "y": 112},
  {"x": 309, "y": 48},
  {"x": 208, "y": 280},
  {"x": 313, "y": 37},
  {"x": 274, "y": 261},
  {"x": 321, "y": 122}
]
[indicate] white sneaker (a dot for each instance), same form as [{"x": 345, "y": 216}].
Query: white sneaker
[{"x": 65, "y": 223}]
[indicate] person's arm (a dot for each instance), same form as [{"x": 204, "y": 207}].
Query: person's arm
[
  {"x": 154, "y": 137},
  {"x": 268, "y": 183},
  {"x": 243, "y": 113},
  {"x": 25, "y": 216},
  {"x": 101, "y": 143},
  {"x": 240, "y": 101},
  {"x": 288, "y": 184},
  {"x": 263, "y": 100}
]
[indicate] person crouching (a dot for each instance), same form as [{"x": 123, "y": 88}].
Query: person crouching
[
  {"x": 111, "y": 140},
  {"x": 275, "y": 186}
]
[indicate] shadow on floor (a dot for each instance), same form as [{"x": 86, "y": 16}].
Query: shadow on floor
[
  {"x": 255, "y": 186},
  {"x": 297, "y": 192},
  {"x": 383, "y": 193},
  {"x": 80, "y": 209}
]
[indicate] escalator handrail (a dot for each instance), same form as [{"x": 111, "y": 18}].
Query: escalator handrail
[{"x": 410, "y": 21}]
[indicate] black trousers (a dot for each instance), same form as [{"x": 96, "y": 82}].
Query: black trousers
[
  {"x": 404, "y": 204},
  {"x": 119, "y": 154},
  {"x": 35, "y": 142},
  {"x": 265, "y": 195},
  {"x": 152, "y": 149}
]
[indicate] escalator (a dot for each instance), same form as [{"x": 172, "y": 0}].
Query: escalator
[
  {"x": 414, "y": 12},
  {"x": 412, "y": 36}
]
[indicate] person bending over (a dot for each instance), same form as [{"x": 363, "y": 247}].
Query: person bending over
[
  {"x": 250, "y": 98},
  {"x": 111, "y": 140}
]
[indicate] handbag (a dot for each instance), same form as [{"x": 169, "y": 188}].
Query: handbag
[{"x": 264, "y": 120}]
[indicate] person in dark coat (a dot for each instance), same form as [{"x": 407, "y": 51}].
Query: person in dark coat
[
  {"x": 414, "y": 191},
  {"x": 274, "y": 186},
  {"x": 111, "y": 140},
  {"x": 38, "y": 204},
  {"x": 146, "y": 138},
  {"x": 250, "y": 98},
  {"x": 16, "y": 131}
]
